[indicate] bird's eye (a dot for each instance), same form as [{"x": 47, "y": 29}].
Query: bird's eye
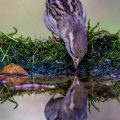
[
  {"x": 57, "y": 118},
  {"x": 48, "y": 1},
  {"x": 72, "y": 89}
]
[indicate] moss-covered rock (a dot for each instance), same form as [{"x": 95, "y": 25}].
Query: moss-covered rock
[{"x": 49, "y": 57}]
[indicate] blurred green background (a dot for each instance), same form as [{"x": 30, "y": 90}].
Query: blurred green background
[{"x": 27, "y": 15}]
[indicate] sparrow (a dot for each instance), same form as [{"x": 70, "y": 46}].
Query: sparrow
[
  {"x": 66, "y": 19},
  {"x": 72, "y": 106}
]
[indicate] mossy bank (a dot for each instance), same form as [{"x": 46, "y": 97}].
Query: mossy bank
[{"x": 47, "y": 57}]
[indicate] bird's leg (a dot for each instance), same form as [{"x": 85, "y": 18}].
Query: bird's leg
[{"x": 55, "y": 38}]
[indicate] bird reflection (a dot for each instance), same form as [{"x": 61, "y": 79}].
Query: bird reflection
[{"x": 71, "y": 107}]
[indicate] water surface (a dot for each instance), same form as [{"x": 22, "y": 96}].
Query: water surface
[{"x": 32, "y": 107}]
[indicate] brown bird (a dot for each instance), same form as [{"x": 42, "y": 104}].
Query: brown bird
[
  {"x": 71, "y": 107},
  {"x": 66, "y": 19}
]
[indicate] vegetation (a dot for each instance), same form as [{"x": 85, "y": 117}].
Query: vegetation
[
  {"x": 31, "y": 54},
  {"x": 103, "y": 45},
  {"x": 98, "y": 90},
  {"x": 48, "y": 57}
]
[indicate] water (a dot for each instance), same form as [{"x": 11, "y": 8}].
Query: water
[{"x": 32, "y": 107}]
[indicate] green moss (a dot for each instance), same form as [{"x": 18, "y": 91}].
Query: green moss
[{"x": 103, "y": 44}]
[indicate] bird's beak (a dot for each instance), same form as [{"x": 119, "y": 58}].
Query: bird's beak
[
  {"x": 76, "y": 81},
  {"x": 76, "y": 62}
]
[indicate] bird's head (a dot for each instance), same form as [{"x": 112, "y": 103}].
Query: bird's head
[
  {"x": 76, "y": 97},
  {"x": 73, "y": 32}
]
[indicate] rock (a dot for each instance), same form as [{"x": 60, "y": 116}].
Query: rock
[{"x": 13, "y": 74}]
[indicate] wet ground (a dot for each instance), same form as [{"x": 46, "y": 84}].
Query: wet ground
[{"x": 105, "y": 70}]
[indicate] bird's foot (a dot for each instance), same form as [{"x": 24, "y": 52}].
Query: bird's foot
[{"x": 55, "y": 38}]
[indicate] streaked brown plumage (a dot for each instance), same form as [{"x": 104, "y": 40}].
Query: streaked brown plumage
[
  {"x": 66, "y": 19},
  {"x": 71, "y": 107}
]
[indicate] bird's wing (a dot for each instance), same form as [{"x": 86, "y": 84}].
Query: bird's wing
[{"x": 60, "y": 8}]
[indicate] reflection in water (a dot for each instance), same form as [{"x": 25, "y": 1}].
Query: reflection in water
[
  {"x": 13, "y": 74},
  {"x": 71, "y": 107}
]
